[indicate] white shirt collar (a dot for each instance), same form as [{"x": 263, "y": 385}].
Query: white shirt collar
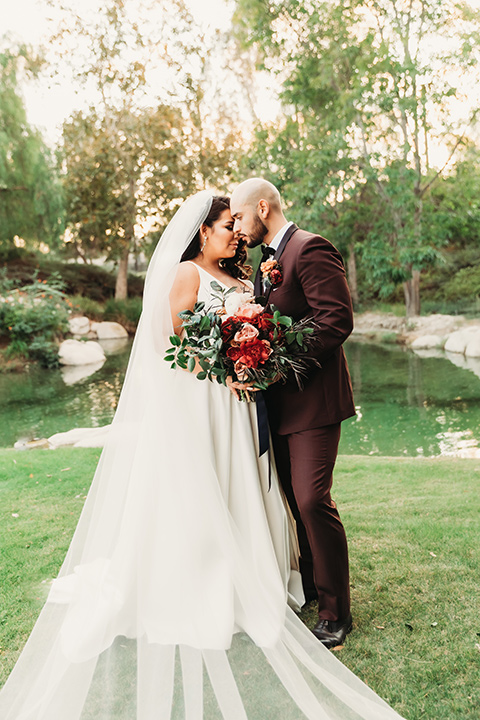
[{"x": 279, "y": 236}]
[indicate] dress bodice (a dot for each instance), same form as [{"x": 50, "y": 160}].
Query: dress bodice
[{"x": 207, "y": 295}]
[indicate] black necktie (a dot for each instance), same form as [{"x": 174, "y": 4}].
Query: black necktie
[{"x": 267, "y": 252}]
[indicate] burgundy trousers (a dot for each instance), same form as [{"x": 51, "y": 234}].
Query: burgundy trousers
[{"x": 305, "y": 462}]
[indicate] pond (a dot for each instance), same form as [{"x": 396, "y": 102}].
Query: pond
[{"x": 407, "y": 405}]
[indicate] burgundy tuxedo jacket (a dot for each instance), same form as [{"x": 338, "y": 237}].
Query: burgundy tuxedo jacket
[{"x": 314, "y": 286}]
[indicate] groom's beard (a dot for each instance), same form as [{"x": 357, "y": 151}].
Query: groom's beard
[{"x": 258, "y": 233}]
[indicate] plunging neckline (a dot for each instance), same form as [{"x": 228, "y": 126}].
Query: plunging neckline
[{"x": 240, "y": 291}]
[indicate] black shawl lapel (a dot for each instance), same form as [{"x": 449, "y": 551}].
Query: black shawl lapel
[
  {"x": 257, "y": 283},
  {"x": 279, "y": 252}
]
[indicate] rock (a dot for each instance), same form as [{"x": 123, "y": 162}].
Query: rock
[
  {"x": 437, "y": 324},
  {"x": 31, "y": 444},
  {"x": 80, "y": 437},
  {"x": 473, "y": 347},
  {"x": 372, "y": 322},
  {"x": 79, "y": 325},
  {"x": 109, "y": 330},
  {"x": 425, "y": 342},
  {"x": 74, "y": 352},
  {"x": 72, "y": 374},
  {"x": 457, "y": 341}
]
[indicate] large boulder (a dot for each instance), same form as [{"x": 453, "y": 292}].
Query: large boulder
[
  {"x": 109, "y": 330},
  {"x": 426, "y": 342},
  {"x": 79, "y": 325},
  {"x": 75, "y": 352},
  {"x": 436, "y": 324},
  {"x": 457, "y": 341},
  {"x": 473, "y": 346}
]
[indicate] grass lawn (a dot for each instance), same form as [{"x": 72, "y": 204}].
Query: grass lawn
[{"x": 414, "y": 536}]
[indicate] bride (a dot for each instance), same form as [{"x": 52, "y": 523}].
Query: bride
[{"x": 177, "y": 596}]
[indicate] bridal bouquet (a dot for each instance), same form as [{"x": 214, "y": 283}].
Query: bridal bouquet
[{"x": 251, "y": 344}]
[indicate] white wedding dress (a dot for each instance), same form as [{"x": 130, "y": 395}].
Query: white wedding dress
[{"x": 175, "y": 599}]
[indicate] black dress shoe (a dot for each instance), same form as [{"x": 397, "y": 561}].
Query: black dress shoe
[{"x": 332, "y": 632}]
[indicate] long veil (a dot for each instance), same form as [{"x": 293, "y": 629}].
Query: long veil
[{"x": 142, "y": 622}]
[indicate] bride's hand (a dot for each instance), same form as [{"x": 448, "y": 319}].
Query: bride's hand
[{"x": 236, "y": 387}]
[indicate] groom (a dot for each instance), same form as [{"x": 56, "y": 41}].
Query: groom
[{"x": 305, "y": 424}]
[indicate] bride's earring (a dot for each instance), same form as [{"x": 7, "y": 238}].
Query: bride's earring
[{"x": 204, "y": 243}]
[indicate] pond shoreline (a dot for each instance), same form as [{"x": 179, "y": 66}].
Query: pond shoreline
[
  {"x": 409, "y": 402},
  {"x": 388, "y": 327},
  {"x": 381, "y": 327}
]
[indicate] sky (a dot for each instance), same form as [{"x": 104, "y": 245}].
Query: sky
[{"x": 49, "y": 103}]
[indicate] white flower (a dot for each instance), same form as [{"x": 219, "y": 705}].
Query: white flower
[{"x": 235, "y": 300}]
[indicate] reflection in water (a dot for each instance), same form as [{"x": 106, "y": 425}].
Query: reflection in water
[
  {"x": 407, "y": 404},
  {"x": 104, "y": 397},
  {"x": 415, "y": 394},
  {"x": 411, "y": 404},
  {"x": 40, "y": 404},
  {"x": 459, "y": 443},
  {"x": 72, "y": 374}
]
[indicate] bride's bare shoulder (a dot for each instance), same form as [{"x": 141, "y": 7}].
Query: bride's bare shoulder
[{"x": 187, "y": 273}]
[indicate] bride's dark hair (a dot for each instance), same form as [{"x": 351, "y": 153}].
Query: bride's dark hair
[{"x": 234, "y": 266}]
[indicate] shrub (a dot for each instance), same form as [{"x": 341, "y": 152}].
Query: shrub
[
  {"x": 126, "y": 312},
  {"x": 93, "y": 309},
  {"x": 33, "y": 318},
  {"x": 89, "y": 281},
  {"x": 464, "y": 285}
]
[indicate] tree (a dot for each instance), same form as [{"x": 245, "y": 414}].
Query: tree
[
  {"x": 30, "y": 194},
  {"x": 122, "y": 170},
  {"x": 372, "y": 88},
  {"x": 130, "y": 160}
]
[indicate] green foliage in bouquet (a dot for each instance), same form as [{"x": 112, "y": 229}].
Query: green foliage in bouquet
[{"x": 254, "y": 345}]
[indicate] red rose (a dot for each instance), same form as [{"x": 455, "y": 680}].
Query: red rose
[
  {"x": 229, "y": 328},
  {"x": 234, "y": 353},
  {"x": 275, "y": 277},
  {"x": 255, "y": 352},
  {"x": 263, "y": 321}
]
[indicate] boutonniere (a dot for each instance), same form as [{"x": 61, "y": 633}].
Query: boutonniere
[{"x": 271, "y": 273}]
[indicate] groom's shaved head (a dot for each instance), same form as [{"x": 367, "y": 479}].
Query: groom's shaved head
[
  {"x": 257, "y": 211},
  {"x": 251, "y": 191}
]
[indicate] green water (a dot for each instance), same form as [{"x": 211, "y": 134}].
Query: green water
[
  {"x": 410, "y": 405},
  {"x": 38, "y": 403},
  {"x": 407, "y": 405}
]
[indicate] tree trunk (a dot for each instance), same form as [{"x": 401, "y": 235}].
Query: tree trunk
[
  {"x": 411, "y": 289},
  {"x": 352, "y": 275},
  {"x": 121, "y": 285}
]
